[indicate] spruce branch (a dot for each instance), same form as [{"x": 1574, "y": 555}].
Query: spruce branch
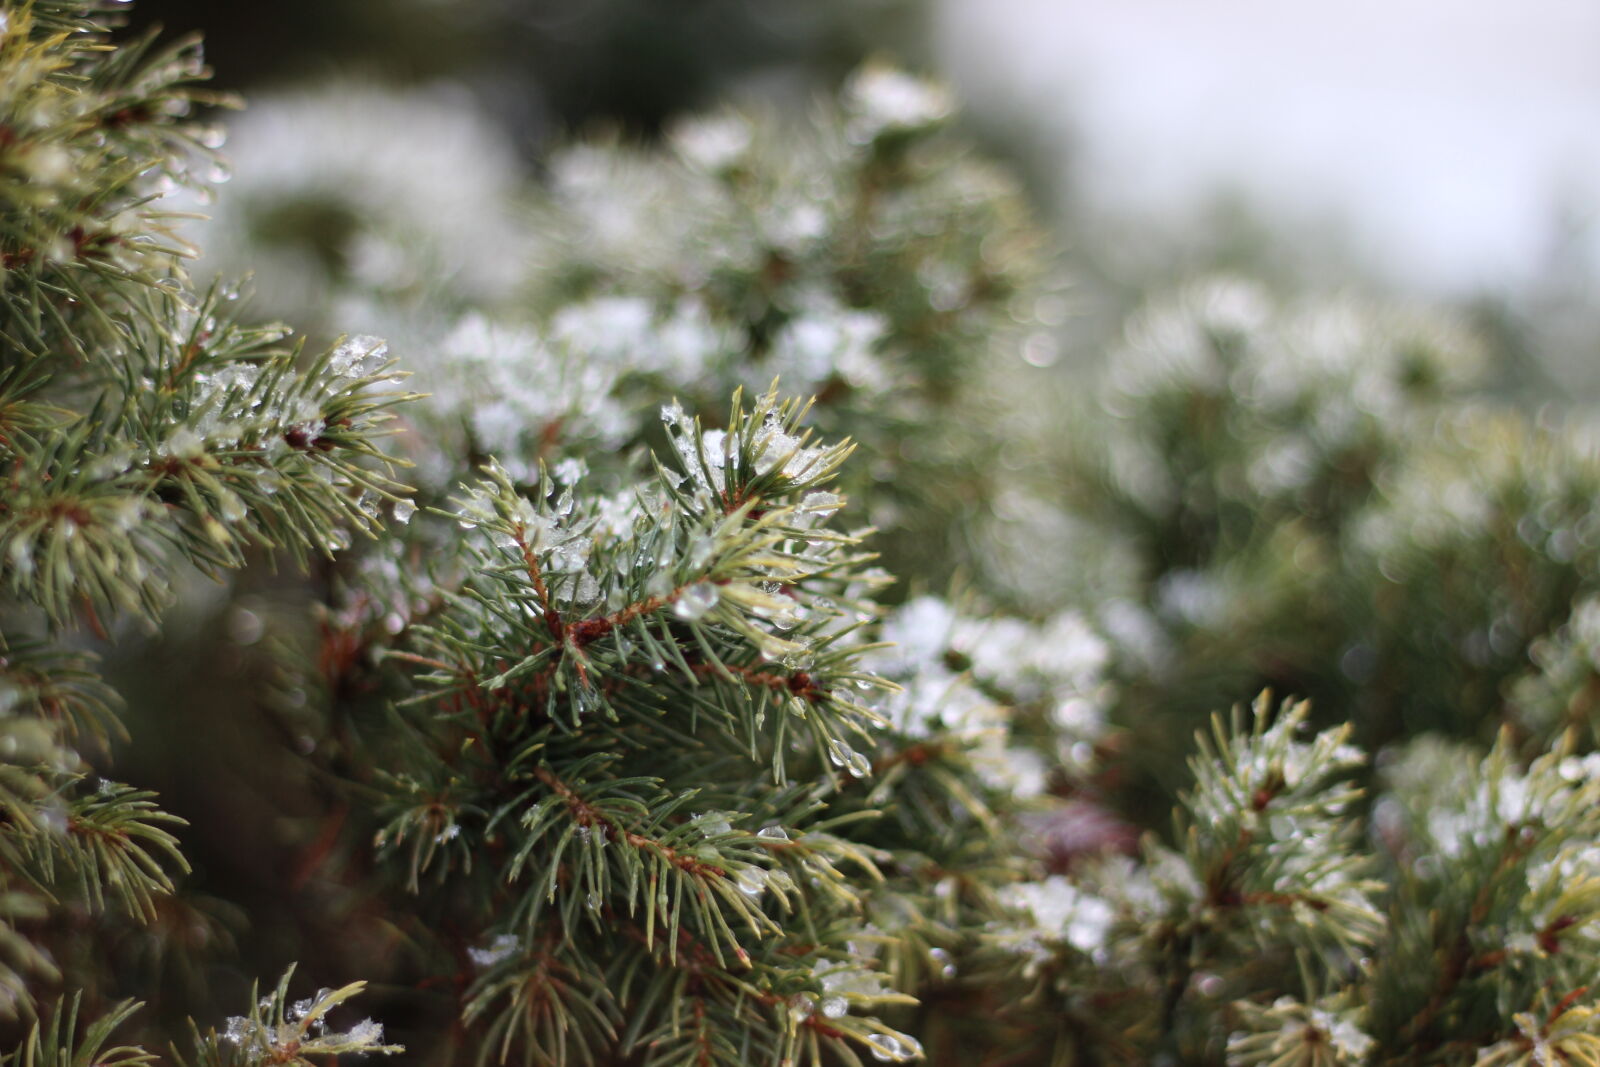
[
  {"x": 145, "y": 428},
  {"x": 1270, "y": 836},
  {"x": 1568, "y": 1032},
  {"x": 59, "y": 1044},
  {"x": 278, "y": 1030},
  {"x": 110, "y": 840},
  {"x": 577, "y": 688},
  {"x": 59, "y": 687},
  {"x": 237, "y": 448}
]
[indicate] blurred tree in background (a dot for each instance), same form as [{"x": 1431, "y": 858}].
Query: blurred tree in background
[{"x": 548, "y": 66}]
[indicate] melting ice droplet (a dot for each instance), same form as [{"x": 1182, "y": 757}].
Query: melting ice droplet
[
  {"x": 895, "y": 1048},
  {"x": 231, "y": 507},
  {"x": 695, "y": 601},
  {"x": 842, "y": 755},
  {"x": 752, "y": 882}
]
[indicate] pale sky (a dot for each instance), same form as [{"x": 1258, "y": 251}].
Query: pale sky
[{"x": 1439, "y": 135}]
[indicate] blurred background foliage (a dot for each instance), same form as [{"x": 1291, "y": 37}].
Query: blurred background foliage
[{"x": 543, "y": 65}]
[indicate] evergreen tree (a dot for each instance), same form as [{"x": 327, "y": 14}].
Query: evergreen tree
[
  {"x": 143, "y": 430},
  {"x": 619, "y": 743}
]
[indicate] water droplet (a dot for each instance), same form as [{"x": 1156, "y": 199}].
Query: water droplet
[
  {"x": 773, "y": 833},
  {"x": 696, "y": 601},
  {"x": 895, "y": 1048},
  {"x": 713, "y": 824},
  {"x": 834, "y": 1007},
  {"x": 403, "y": 510},
  {"x": 700, "y": 551},
  {"x": 587, "y": 699},
  {"x": 245, "y": 627}
]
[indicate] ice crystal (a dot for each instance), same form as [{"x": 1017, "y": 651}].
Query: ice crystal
[
  {"x": 616, "y": 329},
  {"x": 714, "y": 143},
  {"x": 1289, "y": 1031},
  {"x": 500, "y": 948},
  {"x": 513, "y": 387},
  {"x": 238, "y": 1030},
  {"x": 366, "y": 1032},
  {"x": 569, "y": 471},
  {"x": 358, "y": 356},
  {"x": 1060, "y": 911},
  {"x": 886, "y": 99}
]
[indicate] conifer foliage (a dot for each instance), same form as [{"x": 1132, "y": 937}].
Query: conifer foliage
[
  {"x": 630, "y": 749},
  {"x": 143, "y": 431}
]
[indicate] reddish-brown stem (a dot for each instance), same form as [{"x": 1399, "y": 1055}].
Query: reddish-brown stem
[
  {"x": 1460, "y": 962},
  {"x": 422, "y": 661},
  {"x": 588, "y": 815},
  {"x": 1563, "y": 1004},
  {"x": 915, "y": 755},
  {"x": 530, "y": 561},
  {"x": 317, "y": 852},
  {"x": 1547, "y": 937},
  {"x": 800, "y": 683}
]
